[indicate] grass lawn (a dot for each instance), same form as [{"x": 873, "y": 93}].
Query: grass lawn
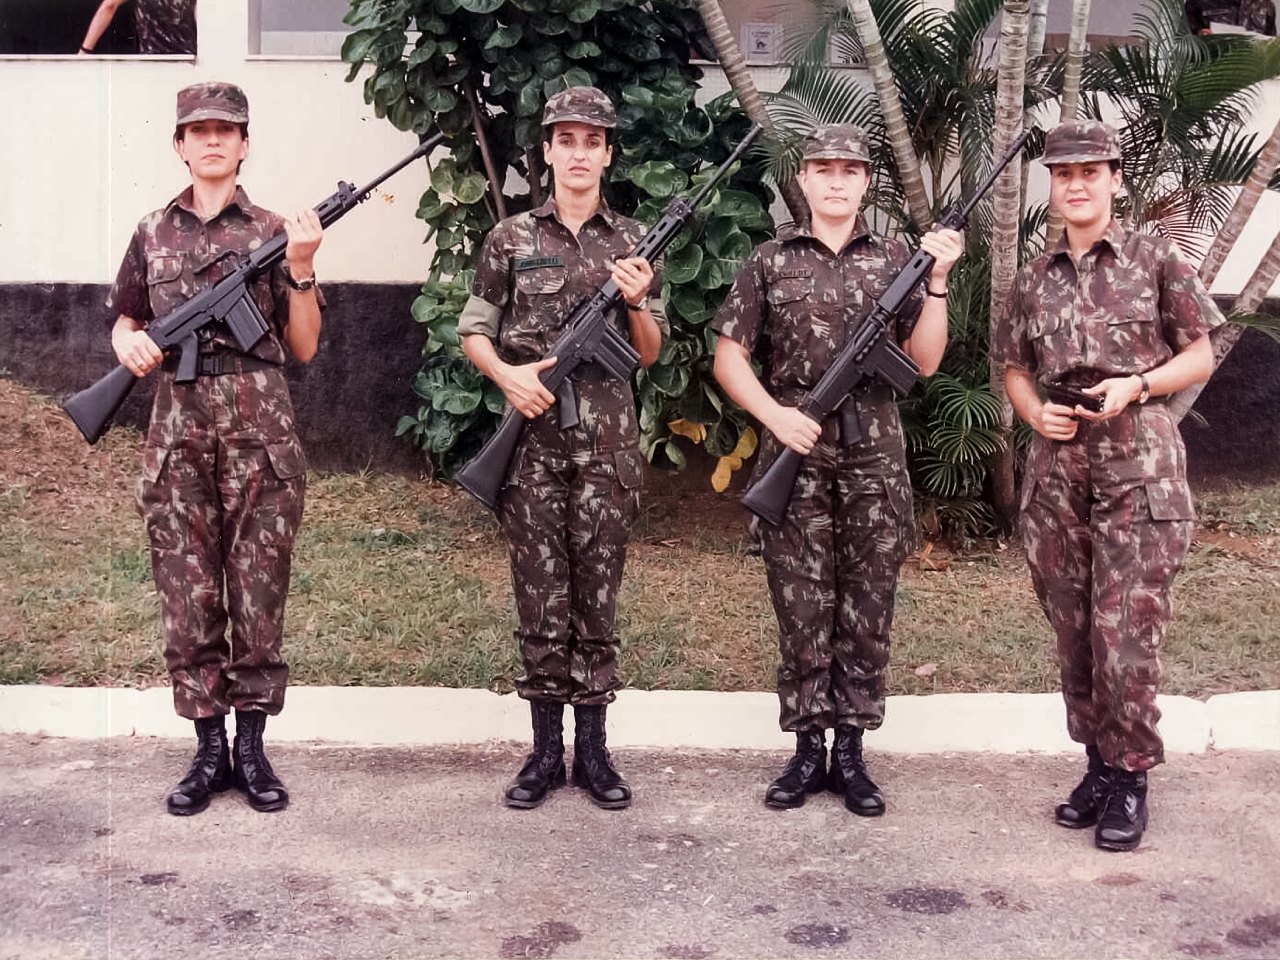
[{"x": 402, "y": 581}]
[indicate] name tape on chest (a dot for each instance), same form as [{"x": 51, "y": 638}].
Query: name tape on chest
[{"x": 533, "y": 263}]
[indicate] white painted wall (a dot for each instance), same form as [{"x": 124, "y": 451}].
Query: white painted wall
[{"x": 87, "y": 151}]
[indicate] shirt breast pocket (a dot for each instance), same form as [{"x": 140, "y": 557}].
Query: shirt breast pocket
[
  {"x": 540, "y": 282},
  {"x": 164, "y": 284},
  {"x": 1133, "y": 334}
]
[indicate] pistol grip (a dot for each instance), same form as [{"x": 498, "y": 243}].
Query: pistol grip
[
  {"x": 567, "y": 400},
  {"x": 188, "y": 354}
]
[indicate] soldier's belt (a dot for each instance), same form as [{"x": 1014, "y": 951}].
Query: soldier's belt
[{"x": 219, "y": 364}]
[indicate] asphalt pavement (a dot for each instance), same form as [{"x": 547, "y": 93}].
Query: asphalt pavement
[{"x": 407, "y": 852}]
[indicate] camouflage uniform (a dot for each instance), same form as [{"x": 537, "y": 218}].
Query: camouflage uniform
[
  {"x": 571, "y": 495},
  {"x": 223, "y": 472},
  {"x": 833, "y": 563},
  {"x": 1107, "y": 516},
  {"x": 166, "y": 26}
]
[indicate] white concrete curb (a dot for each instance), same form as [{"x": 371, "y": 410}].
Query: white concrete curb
[{"x": 392, "y": 716}]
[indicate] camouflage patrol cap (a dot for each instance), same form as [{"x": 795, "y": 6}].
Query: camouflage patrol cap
[
  {"x": 212, "y": 101},
  {"x": 580, "y": 104},
  {"x": 1081, "y": 141},
  {"x": 837, "y": 141}
]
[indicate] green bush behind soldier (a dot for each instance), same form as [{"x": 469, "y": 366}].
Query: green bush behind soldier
[
  {"x": 571, "y": 495},
  {"x": 223, "y": 472},
  {"x": 1106, "y": 510},
  {"x": 833, "y": 563}
]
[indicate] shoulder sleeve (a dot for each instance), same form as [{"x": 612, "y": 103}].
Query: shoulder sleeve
[
  {"x": 492, "y": 282},
  {"x": 1010, "y": 342},
  {"x": 128, "y": 295},
  {"x": 1187, "y": 312},
  {"x": 909, "y": 313},
  {"x": 741, "y": 315}
]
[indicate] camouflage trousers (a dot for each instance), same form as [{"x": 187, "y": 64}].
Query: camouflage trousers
[
  {"x": 221, "y": 508},
  {"x": 832, "y": 568},
  {"x": 1103, "y": 553},
  {"x": 567, "y": 514}
]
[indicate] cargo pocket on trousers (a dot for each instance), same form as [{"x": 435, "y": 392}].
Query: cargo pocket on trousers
[
  {"x": 898, "y": 490},
  {"x": 155, "y": 504},
  {"x": 287, "y": 459},
  {"x": 1170, "y": 500},
  {"x": 629, "y": 465}
]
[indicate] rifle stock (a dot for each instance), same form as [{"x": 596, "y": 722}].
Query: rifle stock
[
  {"x": 871, "y": 354},
  {"x": 228, "y": 300}
]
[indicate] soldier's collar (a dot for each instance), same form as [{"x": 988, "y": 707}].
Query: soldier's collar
[
  {"x": 239, "y": 201},
  {"x": 795, "y": 231},
  {"x": 1114, "y": 238},
  {"x": 548, "y": 209}
]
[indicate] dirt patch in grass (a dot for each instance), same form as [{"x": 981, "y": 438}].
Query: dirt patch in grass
[{"x": 404, "y": 581}]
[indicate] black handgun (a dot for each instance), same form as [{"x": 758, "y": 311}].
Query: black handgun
[{"x": 1070, "y": 396}]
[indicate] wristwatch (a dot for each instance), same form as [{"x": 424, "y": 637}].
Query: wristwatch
[
  {"x": 299, "y": 285},
  {"x": 1145, "y": 395},
  {"x": 641, "y": 306}
]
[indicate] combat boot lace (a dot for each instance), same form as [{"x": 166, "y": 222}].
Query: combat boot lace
[
  {"x": 1081, "y": 807},
  {"x": 254, "y": 775},
  {"x": 849, "y": 774},
  {"x": 805, "y": 772},
  {"x": 210, "y": 771},
  {"x": 543, "y": 769},
  {"x": 592, "y": 766},
  {"x": 1124, "y": 811}
]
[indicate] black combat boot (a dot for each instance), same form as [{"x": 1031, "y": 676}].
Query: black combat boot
[
  {"x": 543, "y": 769},
  {"x": 1123, "y": 815},
  {"x": 1081, "y": 808},
  {"x": 592, "y": 767},
  {"x": 805, "y": 772},
  {"x": 849, "y": 774},
  {"x": 253, "y": 771},
  {"x": 210, "y": 770}
]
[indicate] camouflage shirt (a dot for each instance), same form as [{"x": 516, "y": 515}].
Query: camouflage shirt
[
  {"x": 1131, "y": 304},
  {"x": 166, "y": 26},
  {"x": 806, "y": 303},
  {"x": 174, "y": 255},
  {"x": 533, "y": 271}
]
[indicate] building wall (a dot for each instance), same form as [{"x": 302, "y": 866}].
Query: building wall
[{"x": 87, "y": 151}]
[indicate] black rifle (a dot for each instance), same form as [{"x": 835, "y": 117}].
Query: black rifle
[
  {"x": 229, "y": 300},
  {"x": 872, "y": 353},
  {"x": 588, "y": 337},
  {"x": 1070, "y": 396}
]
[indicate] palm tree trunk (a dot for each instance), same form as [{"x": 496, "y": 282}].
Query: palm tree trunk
[
  {"x": 1076, "y": 42},
  {"x": 1226, "y": 237},
  {"x": 1010, "y": 120},
  {"x": 1036, "y": 29},
  {"x": 1226, "y": 337},
  {"x": 864, "y": 22},
  {"x": 735, "y": 69}
]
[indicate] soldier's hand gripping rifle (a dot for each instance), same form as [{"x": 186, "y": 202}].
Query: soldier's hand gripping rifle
[
  {"x": 872, "y": 353},
  {"x": 229, "y": 300},
  {"x": 589, "y": 337}
]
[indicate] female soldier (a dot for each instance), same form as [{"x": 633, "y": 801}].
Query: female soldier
[
  {"x": 572, "y": 494},
  {"x": 223, "y": 472},
  {"x": 833, "y": 562},
  {"x": 1106, "y": 510}
]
